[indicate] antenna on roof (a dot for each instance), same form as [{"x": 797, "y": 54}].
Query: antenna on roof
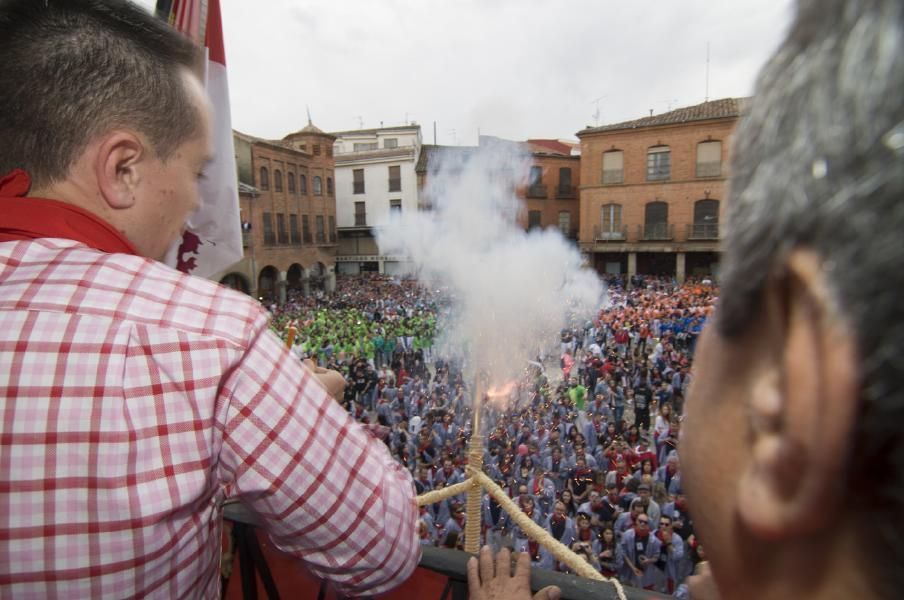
[
  {"x": 308, "y": 109},
  {"x": 706, "y": 97},
  {"x": 596, "y": 114},
  {"x": 360, "y": 122}
]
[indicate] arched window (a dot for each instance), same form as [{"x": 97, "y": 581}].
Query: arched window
[
  {"x": 277, "y": 180},
  {"x": 318, "y": 186},
  {"x": 659, "y": 163},
  {"x": 303, "y": 182},
  {"x": 291, "y": 181},
  {"x": 264, "y": 182},
  {"x": 706, "y": 220},
  {"x": 656, "y": 221}
]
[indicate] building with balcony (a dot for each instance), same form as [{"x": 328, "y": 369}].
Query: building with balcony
[
  {"x": 652, "y": 190},
  {"x": 549, "y": 195},
  {"x": 287, "y": 206},
  {"x": 375, "y": 181}
]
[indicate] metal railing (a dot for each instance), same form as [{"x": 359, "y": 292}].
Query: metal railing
[
  {"x": 703, "y": 231},
  {"x": 361, "y": 220},
  {"x": 246, "y": 239},
  {"x": 358, "y": 187},
  {"x": 613, "y": 176},
  {"x": 321, "y": 238},
  {"x": 610, "y": 234},
  {"x": 537, "y": 190},
  {"x": 656, "y": 231},
  {"x": 709, "y": 169},
  {"x": 451, "y": 564},
  {"x": 269, "y": 238},
  {"x": 395, "y": 185},
  {"x": 566, "y": 192}
]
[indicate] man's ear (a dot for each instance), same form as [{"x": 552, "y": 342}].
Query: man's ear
[
  {"x": 802, "y": 406},
  {"x": 117, "y": 168}
]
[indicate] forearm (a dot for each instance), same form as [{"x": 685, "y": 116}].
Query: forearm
[{"x": 328, "y": 492}]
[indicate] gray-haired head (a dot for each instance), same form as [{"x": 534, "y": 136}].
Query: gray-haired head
[{"x": 818, "y": 163}]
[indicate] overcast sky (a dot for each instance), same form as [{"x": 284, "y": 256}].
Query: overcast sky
[{"x": 516, "y": 69}]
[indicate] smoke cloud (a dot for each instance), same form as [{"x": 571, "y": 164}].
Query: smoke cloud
[{"x": 513, "y": 291}]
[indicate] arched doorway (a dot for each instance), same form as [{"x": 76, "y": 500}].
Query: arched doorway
[
  {"x": 236, "y": 281},
  {"x": 266, "y": 284},
  {"x": 317, "y": 276},
  {"x": 294, "y": 277}
]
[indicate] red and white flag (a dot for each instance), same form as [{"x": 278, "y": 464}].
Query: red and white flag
[{"x": 213, "y": 237}]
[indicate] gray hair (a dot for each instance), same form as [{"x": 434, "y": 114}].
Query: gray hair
[{"x": 819, "y": 163}]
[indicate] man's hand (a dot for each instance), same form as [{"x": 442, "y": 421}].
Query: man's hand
[
  {"x": 333, "y": 381},
  {"x": 495, "y": 582}
]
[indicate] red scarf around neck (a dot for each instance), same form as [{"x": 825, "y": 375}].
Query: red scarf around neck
[{"x": 34, "y": 218}]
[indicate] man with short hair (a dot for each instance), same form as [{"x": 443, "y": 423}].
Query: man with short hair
[{"x": 135, "y": 396}]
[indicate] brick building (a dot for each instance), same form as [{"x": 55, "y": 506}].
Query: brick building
[
  {"x": 549, "y": 197},
  {"x": 288, "y": 209},
  {"x": 652, "y": 188}
]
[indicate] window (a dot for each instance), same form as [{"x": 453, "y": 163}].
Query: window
[
  {"x": 316, "y": 149},
  {"x": 533, "y": 219},
  {"x": 395, "y": 208},
  {"x": 329, "y": 150},
  {"x": 303, "y": 183},
  {"x": 395, "y": 179},
  {"x": 269, "y": 236},
  {"x": 321, "y": 239},
  {"x": 264, "y": 179},
  {"x": 365, "y": 147},
  {"x": 391, "y": 143},
  {"x": 358, "y": 181},
  {"x": 332, "y": 229},
  {"x": 656, "y": 221},
  {"x": 291, "y": 180},
  {"x": 659, "y": 163},
  {"x": 277, "y": 180},
  {"x": 613, "y": 167},
  {"x": 329, "y": 186},
  {"x": 306, "y": 229},
  {"x": 566, "y": 190},
  {"x": 281, "y": 237},
  {"x": 360, "y": 215},
  {"x": 318, "y": 186},
  {"x": 565, "y": 223},
  {"x": 535, "y": 188},
  {"x": 294, "y": 234},
  {"x": 709, "y": 159},
  {"x": 610, "y": 223},
  {"x": 706, "y": 220}
]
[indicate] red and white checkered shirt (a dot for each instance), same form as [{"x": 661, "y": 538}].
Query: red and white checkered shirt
[{"x": 130, "y": 397}]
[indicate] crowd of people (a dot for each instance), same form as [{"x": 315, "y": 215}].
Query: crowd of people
[{"x": 585, "y": 442}]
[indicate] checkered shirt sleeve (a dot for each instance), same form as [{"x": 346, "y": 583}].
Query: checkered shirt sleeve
[{"x": 131, "y": 397}]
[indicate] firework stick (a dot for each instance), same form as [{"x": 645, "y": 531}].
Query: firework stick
[{"x": 475, "y": 461}]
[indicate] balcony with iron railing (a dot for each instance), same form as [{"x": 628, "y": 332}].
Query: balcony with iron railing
[
  {"x": 255, "y": 566},
  {"x": 566, "y": 192},
  {"x": 269, "y": 238},
  {"x": 537, "y": 190},
  {"x": 656, "y": 232},
  {"x": 247, "y": 239},
  {"x": 610, "y": 234},
  {"x": 360, "y": 219},
  {"x": 321, "y": 237},
  {"x": 703, "y": 231}
]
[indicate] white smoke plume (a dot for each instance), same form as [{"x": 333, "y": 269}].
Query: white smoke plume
[{"x": 514, "y": 290}]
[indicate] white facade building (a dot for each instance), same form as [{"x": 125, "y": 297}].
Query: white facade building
[{"x": 375, "y": 178}]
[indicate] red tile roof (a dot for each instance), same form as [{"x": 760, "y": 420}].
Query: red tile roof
[{"x": 714, "y": 109}]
